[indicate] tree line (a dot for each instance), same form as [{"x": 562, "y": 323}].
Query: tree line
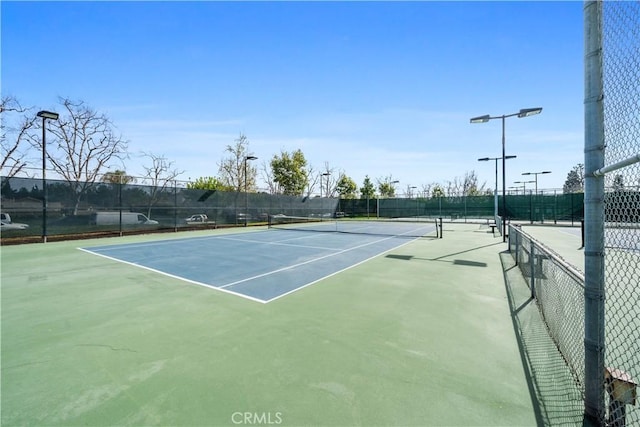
[{"x": 85, "y": 147}]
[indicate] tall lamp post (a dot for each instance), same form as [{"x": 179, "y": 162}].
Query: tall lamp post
[
  {"x": 411, "y": 188},
  {"x": 495, "y": 193},
  {"x": 52, "y": 116},
  {"x": 525, "y": 112},
  {"x": 324, "y": 174},
  {"x": 246, "y": 193},
  {"x": 524, "y": 192},
  {"x": 536, "y": 177}
]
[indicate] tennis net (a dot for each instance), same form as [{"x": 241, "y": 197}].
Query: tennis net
[{"x": 394, "y": 227}]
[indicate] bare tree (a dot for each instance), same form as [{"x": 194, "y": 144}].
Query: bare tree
[
  {"x": 427, "y": 189},
  {"x": 14, "y": 139},
  {"x": 232, "y": 168},
  {"x": 160, "y": 173},
  {"x": 312, "y": 179},
  {"x": 268, "y": 178},
  {"x": 465, "y": 186},
  {"x": 84, "y": 143},
  {"x": 329, "y": 180},
  {"x": 470, "y": 186}
]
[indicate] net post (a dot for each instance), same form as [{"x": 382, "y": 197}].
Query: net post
[{"x": 440, "y": 227}]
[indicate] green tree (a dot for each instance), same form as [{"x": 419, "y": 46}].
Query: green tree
[
  {"x": 346, "y": 187},
  {"x": 118, "y": 177},
  {"x": 367, "y": 191},
  {"x": 575, "y": 180},
  {"x": 290, "y": 173},
  {"x": 437, "y": 191},
  {"x": 206, "y": 183},
  {"x": 386, "y": 187}
]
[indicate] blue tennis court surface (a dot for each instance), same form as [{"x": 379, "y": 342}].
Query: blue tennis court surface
[{"x": 259, "y": 265}]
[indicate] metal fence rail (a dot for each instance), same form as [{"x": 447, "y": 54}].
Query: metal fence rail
[{"x": 558, "y": 290}]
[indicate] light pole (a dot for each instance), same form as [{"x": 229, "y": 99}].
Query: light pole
[
  {"x": 411, "y": 188},
  {"x": 525, "y": 112},
  {"x": 246, "y": 193},
  {"x": 524, "y": 192},
  {"x": 324, "y": 174},
  {"x": 495, "y": 193},
  {"x": 52, "y": 116},
  {"x": 536, "y": 177}
]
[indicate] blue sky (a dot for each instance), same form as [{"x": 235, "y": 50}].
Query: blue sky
[{"x": 384, "y": 89}]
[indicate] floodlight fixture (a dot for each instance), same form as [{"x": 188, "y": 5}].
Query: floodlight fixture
[
  {"x": 495, "y": 193},
  {"x": 481, "y": 119},
  {"x": 526, "y": 112},
  {"x": 321, "y": 175},
  {"x": 48, "y": 115},
  {"x": 536, "y": 176}
]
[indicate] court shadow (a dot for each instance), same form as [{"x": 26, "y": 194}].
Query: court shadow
[
  {"x": 455, "y": 261},
  {"x": 555, "y": 393},
  {"x": 441, "y": 258},
  {"x": 469, "y": 263},
  {"x": 402, "y": 257}
]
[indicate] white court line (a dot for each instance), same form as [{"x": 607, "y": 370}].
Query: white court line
[
  {"x": 223, "y": 287},
  {"x": 336, "y": 272},
  {"x": 309, "y": 262},
  {"x": 279, "y": 243},
  {"x": 175, "y": 277}
]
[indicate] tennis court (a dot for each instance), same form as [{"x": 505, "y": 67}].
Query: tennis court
[
  {"x": 395, "y": 331},
  {"x": 266, "y": 265}
]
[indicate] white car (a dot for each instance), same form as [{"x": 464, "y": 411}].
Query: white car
[
  {"x": 12, "y": 226},
  {"x": 197, "y": 219}
]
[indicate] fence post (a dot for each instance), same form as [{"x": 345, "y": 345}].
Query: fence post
[
  {"x": 175, "y": 205},
  {"x": 518, "y": 244},
  {"x": 532, "y": 267},
  {"x": 594, "y": 314}
]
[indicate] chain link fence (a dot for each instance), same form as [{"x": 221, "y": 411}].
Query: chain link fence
[
  {"x": 78, "y": 209},
  {"x": 594, "y": 318},
  {"x": 621, "y": 88}
]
